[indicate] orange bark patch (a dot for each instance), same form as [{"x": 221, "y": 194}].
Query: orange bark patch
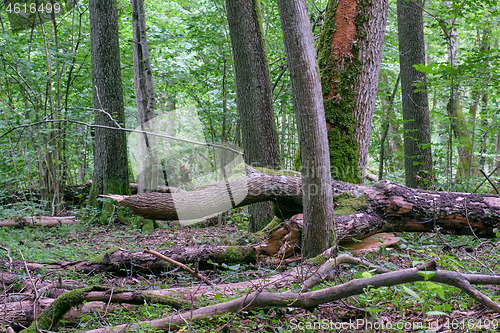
[
  {"x": 371, "y": 243},
  {"x": 345, "y": 28},
  {"x": 398, "y": 205}
]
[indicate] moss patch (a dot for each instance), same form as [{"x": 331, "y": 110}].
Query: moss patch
[
  {"x": 110, "y": 211},
  {"x": 348, "y": 204},
  {"x": 287, "y": 173},
  {"x": 175, "y": 302},
  {"x": 50, "y": 316},
  {"x": 100, "y": 258},
  {"x": 236, "y": 254},
  {"x": 339, "y": 70}
]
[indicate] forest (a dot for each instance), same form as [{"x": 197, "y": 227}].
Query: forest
[{"x": 235, "y": 166}]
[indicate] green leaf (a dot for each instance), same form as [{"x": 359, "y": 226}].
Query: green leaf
[
  {"x": 426, "y": 275},
  {"x": 412, "y": 293},
  {"x": 366, "y": 275},
  {"x": 436, "y": 313}
]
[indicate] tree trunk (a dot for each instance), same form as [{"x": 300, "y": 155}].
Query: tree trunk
[
  {"x": 110, "y": 146},
  {"x": 383, "y": 207},
  {"x": 388, "y": 106},
  {"x": 458, "y": 121},
  {"x": 311, "y": 125},
  {"x": 145, "y": 98},
  {"x": 349, "y": 56},
  {"x": 253, "y": 91},
  {"x": 418, "y": 158}
]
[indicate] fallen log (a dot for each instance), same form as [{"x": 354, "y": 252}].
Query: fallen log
[
  {"x": 47, "y": 221},
  {"x": 122, "y": 262},
  {"x": 383, "y": 207}
]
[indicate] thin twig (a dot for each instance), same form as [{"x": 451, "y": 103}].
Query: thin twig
[
  {"x": 37, "y": 296},
  {"x": 489, "y": 180},
  {"x": 181, "y": 265},
  {"x": 169, "y": 137},
  {"x": 468, "y": 222},
  {"x": 8, "y": 256}
]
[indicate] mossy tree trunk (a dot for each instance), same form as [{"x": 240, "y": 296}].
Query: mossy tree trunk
[
  {"x": 319, "y": 232},
  {"x": 349, "y": 56},
  {"x": 417, "y": 137},
  {"x": 458, "y": 121},
  {"x": 110, "y": 146},
  {"x": 254, "y": 98}
]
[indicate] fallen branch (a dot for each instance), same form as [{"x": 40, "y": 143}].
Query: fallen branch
[
  {"x": 193, "y": 273},
  {"x": 325, "y": 270},
  {"x": 308, "y": 300}
]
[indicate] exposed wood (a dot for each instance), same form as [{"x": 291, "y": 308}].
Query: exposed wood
[
  {"x": 47, "y": 221},
  {"x": 389, "y": 207},
  {"x": 371, "y": 243}
]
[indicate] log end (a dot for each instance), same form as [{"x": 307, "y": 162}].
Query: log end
[{"x": 116, "y": 197}]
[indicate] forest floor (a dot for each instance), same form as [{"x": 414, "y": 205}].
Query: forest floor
[{"x": 416, "y": 307}]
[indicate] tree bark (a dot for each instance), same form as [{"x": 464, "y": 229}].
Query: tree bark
[
  {"x": 311, "y": 125},
  {"x": 253, "y": 92},
  {"x": 349, "y": 57},
  {"x": 417, "y": 138},
  {"x": 110, "y": 146},
  {"x": 384, "y": 207},
  {"x": 145, "y": 99}
]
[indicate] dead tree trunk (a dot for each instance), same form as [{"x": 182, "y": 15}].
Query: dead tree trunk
[{"x": 385, "y": 206}]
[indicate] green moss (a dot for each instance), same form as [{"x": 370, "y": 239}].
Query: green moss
[
  {"x": 349, "y": 204},
  {"x": 50, "y": 316},
  {"x": 296, "y": 161},
  {"x": 287, "y": 173},
  {"x": 99, "y": 259},
  {"x": 275, "y": 223},
  {"x": 237, "y": 254},
  {"x": 143, "y": 224},
  {"x": 175, "y": 302},
  {"x": 109, "y": 210},
  {"x": 318, "y": 260},
  {"x": 339, "y": 75},
  {"x": 259, "y": 21}
]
